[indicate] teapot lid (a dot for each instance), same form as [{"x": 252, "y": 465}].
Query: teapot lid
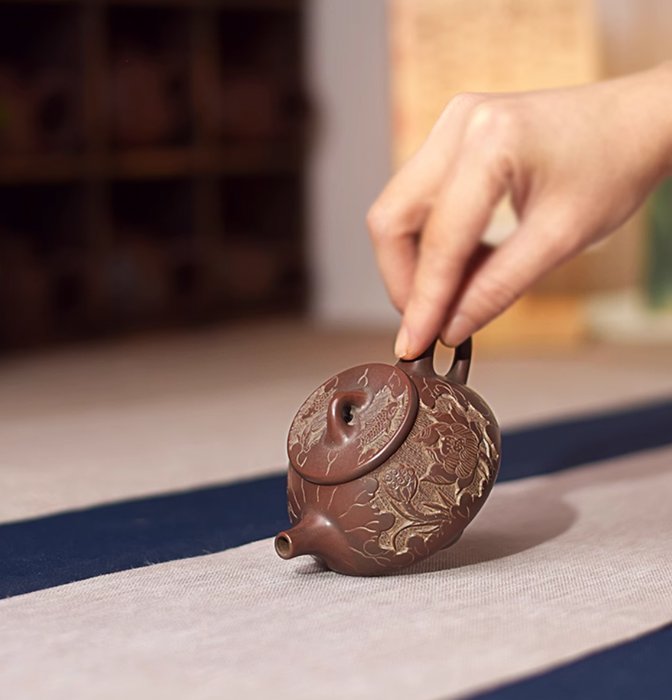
[{"x": 352, "y": 423}]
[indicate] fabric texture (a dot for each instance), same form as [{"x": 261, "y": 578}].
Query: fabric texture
[{"x": 633, "y": 670}]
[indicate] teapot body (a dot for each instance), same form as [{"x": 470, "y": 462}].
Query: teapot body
[{"x": 399, "y": 480}]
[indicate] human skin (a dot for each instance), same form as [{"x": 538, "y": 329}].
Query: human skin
[{"x": 575, "y": 162}]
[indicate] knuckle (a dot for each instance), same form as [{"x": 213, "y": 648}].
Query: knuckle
[
  {"x": 439, "y": 255},
  {"x": 492, "y": 122},
  {"x": 472, "y": 318},
  {"x": 444, "y": 250},
  {"x": 566, "y": 238},
  {"x": 559, "y": 246},
  {"x": 433, "y": 247},
  {"x": 428, "y": 297},
  {"x": 464, "y": 101},
  {"x": 380, "y": 222},
  {"x": 398, "y": 301},
  {"x": 493, "y": 294},
  {"x": 460, "y": 104}
]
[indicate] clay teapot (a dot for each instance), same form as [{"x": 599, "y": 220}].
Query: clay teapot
[{"x": 388, "y": 465}]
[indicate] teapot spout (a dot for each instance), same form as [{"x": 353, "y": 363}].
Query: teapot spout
[
  {"x": 286, "y": 544},
  {"x": 309, "y": 536}
]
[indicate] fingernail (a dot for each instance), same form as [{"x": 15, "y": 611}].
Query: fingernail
[
  {"x": 457, "y": 331},
  {"x": 401, "y": 344}
]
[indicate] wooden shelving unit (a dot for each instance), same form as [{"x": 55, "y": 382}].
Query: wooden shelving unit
[{"x": 151, "y": 164}]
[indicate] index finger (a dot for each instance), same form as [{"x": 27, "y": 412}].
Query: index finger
[
  {"x": 451, "y": 236},
  {"x": 397, "y": 217}
]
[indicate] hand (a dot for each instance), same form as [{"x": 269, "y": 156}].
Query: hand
[{"x": 575, "y": 162}]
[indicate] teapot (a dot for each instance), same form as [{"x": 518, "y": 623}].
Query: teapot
[{"x": 388, "y": 465}]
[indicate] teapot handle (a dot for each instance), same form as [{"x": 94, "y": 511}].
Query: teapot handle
[
  {"x": 424, "y": 365},
  {"x": 459, "y": 370}
]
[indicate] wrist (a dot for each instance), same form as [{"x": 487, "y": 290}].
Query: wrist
[{"x": 654, "y": 102}]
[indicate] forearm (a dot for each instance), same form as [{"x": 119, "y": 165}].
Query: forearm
[{"x": 641, "y": 107}]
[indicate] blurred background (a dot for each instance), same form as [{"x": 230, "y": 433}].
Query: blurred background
[
  {"x": 172, "y": 165},
  {"x": 183, "y": 250}
]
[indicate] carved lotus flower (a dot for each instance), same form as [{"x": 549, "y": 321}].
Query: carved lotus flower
[
  {"x": 459, "y": 449},
  {"x": 456, "y": 450}
]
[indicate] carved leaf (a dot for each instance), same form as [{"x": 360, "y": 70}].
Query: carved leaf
[{"x": 441, "y": 474}]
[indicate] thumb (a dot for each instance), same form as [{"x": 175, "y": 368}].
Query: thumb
[{"x": 540, "y": 244}]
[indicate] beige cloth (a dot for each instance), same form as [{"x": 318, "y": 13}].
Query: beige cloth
[{"x": 554, "y": 567}]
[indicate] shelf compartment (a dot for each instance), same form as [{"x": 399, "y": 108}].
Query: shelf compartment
[
  {"x": 43, "y": 220},
  {"x": 155, "y": 265},
  {"x": 262, "y": 240},
  {"x": 149, "y": 76},
  {"x": 48, "y": 285},
  {"x": 40, "y": 79}
]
